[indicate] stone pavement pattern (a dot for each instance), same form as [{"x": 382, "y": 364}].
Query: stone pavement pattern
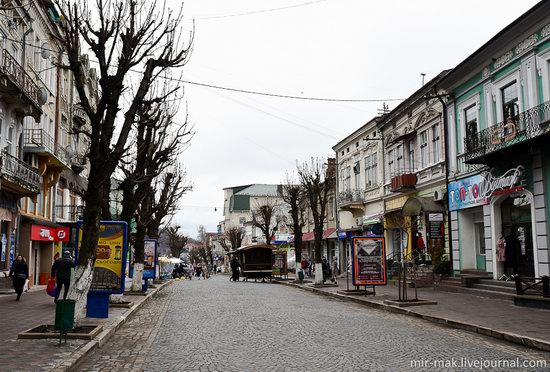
[
  {"x": 217, "y": 325},
  {"x": 35, "y": 308}
]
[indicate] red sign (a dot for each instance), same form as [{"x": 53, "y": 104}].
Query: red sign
[{"x": 49, "y": 234}]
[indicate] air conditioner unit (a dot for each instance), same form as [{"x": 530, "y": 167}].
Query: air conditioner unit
[{"x": 439, "y": 195}]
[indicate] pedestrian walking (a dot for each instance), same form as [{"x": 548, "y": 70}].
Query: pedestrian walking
[
  {"x": 235, "y": 265},
  {"x": 309, "y": 267},
  {"x": 334, "y": 270},
  {"x": 198, "y": 272},
  {"x": 20, "y": 273},
  {"x": 215, "y": 269},
  {"x": 326, "y": 269},
  {"x": 61, "y": 271}
]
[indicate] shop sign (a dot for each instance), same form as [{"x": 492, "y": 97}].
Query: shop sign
[
  {"x": 368, "y": 261},
  {"x": 110, "y": 259},
  {"x": 49, "y": 234},
  {"x": 4, "y": 245},
  {"x": 477, "y": 190}
]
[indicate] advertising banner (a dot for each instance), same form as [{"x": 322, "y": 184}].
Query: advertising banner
[
  {"x": 280, "y": 263},
  {"x": 110, "y": 263},
  {"x": 150, "y": 259},
  {"x": 369, "y": 261}
]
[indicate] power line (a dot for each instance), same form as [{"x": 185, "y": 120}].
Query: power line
[
  {"x": 237, "y": 90},
  {"x": 252, "y": 12}
]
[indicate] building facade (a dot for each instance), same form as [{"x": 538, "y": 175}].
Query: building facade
[{"x": 498, "y": 114}]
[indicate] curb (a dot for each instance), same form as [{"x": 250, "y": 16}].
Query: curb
[
  {"x": 71, "y": 363},
  {"x": 526, "y": 341}
]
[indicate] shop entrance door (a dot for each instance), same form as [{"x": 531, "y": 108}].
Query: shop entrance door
[
  {"x": 516, "y": 223},
  {"x": 479, "y": 231}
]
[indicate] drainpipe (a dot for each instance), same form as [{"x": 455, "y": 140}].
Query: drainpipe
[{"x": 447, "y": 147}]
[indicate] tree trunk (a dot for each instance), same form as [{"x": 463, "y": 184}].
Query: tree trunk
[
  {"x": 318, "y": 273},
  {"x": 139, "y": 253},
  {"x": 78, "y": 289},
  {"x": 106, "y": 201}
]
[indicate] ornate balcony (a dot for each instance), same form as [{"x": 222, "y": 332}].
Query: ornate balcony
[
  {"x": 41, "y": 143},
  {"x": 18, "y": 176},
  {"x": 351, "y": 199},
  {"x": 19, "y": 88},
  {"x": 404, "y": 180},
  {"x": 526, "y": 126},
  {"x": 79, "y": 115}
]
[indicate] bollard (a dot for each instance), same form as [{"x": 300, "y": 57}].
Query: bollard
[{"x": 519, "y": 286}]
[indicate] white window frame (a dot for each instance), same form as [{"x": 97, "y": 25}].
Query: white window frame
[
  {"x": 474, "y": 100},
  {"x": 436, "y": 143},
  {"x": 543, "y": 61},
  {"x": 9, "y": 141},
  {"x": 424, "y": 149},
  {"x": 497, "y": 94}
]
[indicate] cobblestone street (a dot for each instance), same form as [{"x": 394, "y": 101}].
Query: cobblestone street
[{"x": 218, "y": 325}]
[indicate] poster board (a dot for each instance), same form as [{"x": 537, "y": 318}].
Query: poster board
[
  {"x": 150, "y": 259},
  {"x": 110, "y": 263},
  {"x": 280, "y": 264},
  {"x": 369, "y": 261}
]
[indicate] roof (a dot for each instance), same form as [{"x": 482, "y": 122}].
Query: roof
[
  {"x": 254, "y": 246},
  {"x": 260, "y": 190},
  {"x": 478, "y": 58},
  {"x": 364, "y": 127},
  {"x": 413, "y": 98},
  {"x": 309, "y": 236}
]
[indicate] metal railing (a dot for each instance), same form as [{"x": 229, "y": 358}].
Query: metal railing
[
  {"x": 79, "y": 114},
  {"x": 527, "y": 125},
  {"x": 539, "y": 286},
  {"x": 351, "y": 196},
  {"x": 69, "y": 212},
  {"x": 40, "y": 138},
  {"x": 20, "y": 172},
  {"x": 463, "y": 167},
  {"x": 17, "y": 74}
]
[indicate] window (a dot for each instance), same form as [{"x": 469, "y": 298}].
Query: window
[
  {"x": 510, "y": 105},
  {"x": 357, "y": 173},
  {"x": 242, "y": 221},
  {"x": 59, "y": 208},
  {"x": 470, "y": 118},
  {"x": 399, "y": 158},
  {"x": 436, "y": 143},
  {"x": 410, "y": 159},
  {"x": 371, "y": 170},
  {"x": 423, "y": 149},
  {"x": 9, "y": 140},
  {"x": 391, "y": 165},
  {"x": 73, "y": 211},
  {"x": 346, "y": 179}
]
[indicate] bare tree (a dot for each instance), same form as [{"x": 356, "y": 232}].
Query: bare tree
[
  {"x": 266, "y": 218},
  {"x": 294, "y": 195},
  {"x": 317, "y": 179},
  {"x": 235, "y": 235},
  {"x": 176, "y": 240},
  {"x": 135, "y": 43}
]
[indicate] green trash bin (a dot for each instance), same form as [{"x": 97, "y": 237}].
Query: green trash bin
[
  {"x": 64, "y": 317},
  {"x": 301, "y": 274}
]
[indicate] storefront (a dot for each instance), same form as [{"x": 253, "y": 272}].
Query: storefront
[
  {"x": 40, "y": 241},
  {"x": 496, "y": 222}
]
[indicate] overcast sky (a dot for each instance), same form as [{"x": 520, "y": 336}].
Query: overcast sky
[{"x": 343, "y": 49}]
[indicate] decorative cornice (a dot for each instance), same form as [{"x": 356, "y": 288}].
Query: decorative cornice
[
  {"x": 503, "y": 59},
  {"x": 527, "y": 43},
  {"x": 545, "y": 31}
]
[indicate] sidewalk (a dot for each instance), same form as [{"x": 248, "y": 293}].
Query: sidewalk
[
  {"x": 491, "y": 317},
  {"x": 35, "y": 308}
]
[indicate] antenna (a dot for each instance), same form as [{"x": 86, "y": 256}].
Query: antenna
[
  {"x": 423, "y": 74},
  {"x": 384, "y": 110}
]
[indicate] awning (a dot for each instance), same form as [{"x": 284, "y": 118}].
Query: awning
[
  {"x": 372, "y": 219},
  {"x": 39, "y": 221},
  {"x": 416, "y": 205},
  {"x": 327, "y": 234}
]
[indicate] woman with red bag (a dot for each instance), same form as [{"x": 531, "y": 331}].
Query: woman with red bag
[{"x": 19, "y": 272}]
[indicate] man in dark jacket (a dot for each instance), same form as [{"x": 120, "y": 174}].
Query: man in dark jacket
[{"x": 61, "y": 271}]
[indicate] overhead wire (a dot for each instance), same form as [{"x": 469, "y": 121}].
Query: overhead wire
[
  {"x": 237, "y": 90},
  {"x": 252, "y": 12}
]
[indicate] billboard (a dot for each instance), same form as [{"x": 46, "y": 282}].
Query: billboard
[
  {"x": 110, "y": 260},
  {"x": 280, "y": 264},
  {"x": 368, "y": 261}
]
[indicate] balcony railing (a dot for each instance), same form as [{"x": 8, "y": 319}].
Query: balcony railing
[
  {"x": 79, "y": 115},
  {"x": 526, "y": 126},
  {"x": 19, "y": 172},
  {"x": 352, "y": 196},
  {"x": 403, "y": 180},
  {"x": 69, "y": 212},
  {"x": 39, "y": 138},
  {"x": 464, "y": 167},
  {"x": 19, "y": 77}
]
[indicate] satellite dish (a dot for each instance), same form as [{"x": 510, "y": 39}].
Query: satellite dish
[
  {"x": 42, "y": 96},
  {"x": 45, "y": 53}
]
